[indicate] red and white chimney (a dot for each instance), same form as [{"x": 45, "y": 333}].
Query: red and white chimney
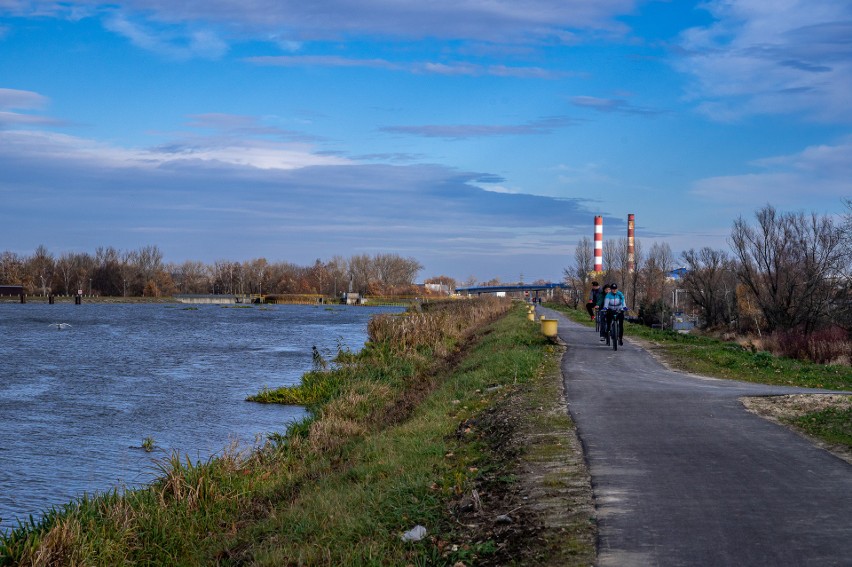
[
  {"x": 598, "y": 243},
  {"x": 631, "y": 250}
]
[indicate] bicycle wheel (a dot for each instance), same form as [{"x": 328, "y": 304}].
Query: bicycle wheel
[
  {"x": 598, "y": 322},
  {"x": 613, "y": 331}
]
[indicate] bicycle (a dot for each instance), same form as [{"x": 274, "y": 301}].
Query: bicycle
[
  {"x": 615, "y": 328},
  {"x": 598, "y": 322}
]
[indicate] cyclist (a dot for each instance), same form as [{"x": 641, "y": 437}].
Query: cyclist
[
  {"x": 601, "y": 296},
  {"x": 593, "y": 299},
  {"x": 614, "y": 304}
]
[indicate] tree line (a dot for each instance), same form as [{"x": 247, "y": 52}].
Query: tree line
[
  {"x": 142, "y": 272},
  {"x": 782, "y": 272}
]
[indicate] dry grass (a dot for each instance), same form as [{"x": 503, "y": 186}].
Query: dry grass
[
  {"x": 194, "y": 506},
  {"x": 59, "y": 546}
]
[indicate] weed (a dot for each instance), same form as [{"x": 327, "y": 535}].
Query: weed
[
  {"x": 338, "y": 488},
  {"x": 833, "y": 425}
]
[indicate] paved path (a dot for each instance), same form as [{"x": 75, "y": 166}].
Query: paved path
[{"x": 684, "y": 475}]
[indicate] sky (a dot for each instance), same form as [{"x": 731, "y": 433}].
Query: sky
[{"x": 480, "y": 137}]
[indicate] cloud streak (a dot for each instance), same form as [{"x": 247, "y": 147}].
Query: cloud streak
[
  {"x": 426, "y": 68},
  {"x": 468, "y": 131},
  {"x": 823, "y": 172},
  {"x": 12, "y": 100},
  {"x": 206, "y": 28},
  {"x": 611, "y": 105},
  {"x": 179, "y": 45},
  {"x": 274, "y": 198},
  {"x": 770, "y": 58}
]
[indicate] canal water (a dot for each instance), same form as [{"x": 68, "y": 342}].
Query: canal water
[{"x": 77, "y": 402}]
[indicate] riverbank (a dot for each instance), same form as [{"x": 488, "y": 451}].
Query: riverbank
[{"x": 451, "y": 419}]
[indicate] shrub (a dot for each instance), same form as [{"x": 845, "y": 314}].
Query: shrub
[{"x": 823, "y": 346}]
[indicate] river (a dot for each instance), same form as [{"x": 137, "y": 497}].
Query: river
[{"x": 77, "y": 402}]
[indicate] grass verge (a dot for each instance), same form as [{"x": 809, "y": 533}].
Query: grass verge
[
  {"x": 402, "y": 438},
  {"x": 832, "y": 424}
]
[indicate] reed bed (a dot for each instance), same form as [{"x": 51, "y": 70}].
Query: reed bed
[{"x": 213, "y": 512}]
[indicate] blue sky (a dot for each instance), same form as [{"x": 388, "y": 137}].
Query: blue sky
[{"x": 478, "y": 136}]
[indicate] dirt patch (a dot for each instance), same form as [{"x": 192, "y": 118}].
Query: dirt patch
[
  {"x": 534, "y": 504},
  {"x": 783, "y": 409}
]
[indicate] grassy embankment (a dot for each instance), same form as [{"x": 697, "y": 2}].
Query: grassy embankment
[
  {"x": 722, "y": 359},
  {"x": 398, "y": 438}
]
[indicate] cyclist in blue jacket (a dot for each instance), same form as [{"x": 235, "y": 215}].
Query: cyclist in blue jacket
[{"x": 614, "y": 304}]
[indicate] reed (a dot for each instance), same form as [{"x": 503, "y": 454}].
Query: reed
[{"x": 340, "y": 484}]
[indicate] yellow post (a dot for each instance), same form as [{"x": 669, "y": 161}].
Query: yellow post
[
  {"x": 531, "y": 316},
  {"x": 549, "y": 327}
]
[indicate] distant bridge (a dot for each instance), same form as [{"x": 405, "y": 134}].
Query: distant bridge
[{"x": 531, "y": 288}]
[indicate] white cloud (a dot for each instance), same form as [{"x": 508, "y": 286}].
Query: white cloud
[
  {"x": 244, "y": 152},
  {"x": 816, "y": 175},
  {"x": 12, "y": 100},
  {"x": 229, "y": 195},
  {"x": 21, "y": 100},
  {"x": 761, "y": 57},
  {"x": 179, "y": 44},
  {"x": 462, "y": 68},
  {"x": 467, "y": 131},
  {"x": 333, "y": 19},
  {"x": 292, "y": 22},
  {"x": 611, "y": 105}
]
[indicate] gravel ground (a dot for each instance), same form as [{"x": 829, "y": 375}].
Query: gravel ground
[{"x": 782, "y": 409}]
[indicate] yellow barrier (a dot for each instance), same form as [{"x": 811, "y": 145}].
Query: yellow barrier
[
  {"x": 531, "y": 316},
  {"x": 549, "y": 327}
]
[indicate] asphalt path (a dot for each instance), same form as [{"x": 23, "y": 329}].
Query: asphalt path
[{"x": 684, "y": 475}]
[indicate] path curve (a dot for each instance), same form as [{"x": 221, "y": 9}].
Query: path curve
[{"x": 683, "y": 474}]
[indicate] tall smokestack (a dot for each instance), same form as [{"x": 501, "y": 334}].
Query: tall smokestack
[
  {"x": 631, "y": 250},
  {"x": 599, "y": 243}
]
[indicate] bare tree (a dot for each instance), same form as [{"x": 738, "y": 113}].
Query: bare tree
[
  {"x": 338, "y": 269},
  {"x": 224, "y": 274},
  {"x": 256, "y": 274},
  {"x": 790, "y": 262},
  {"x": 578, "y": 275},
  {"x": 149, "y": 264},
  {"x": 361, "y": 273},
  {"x": 610, "y": 261},
  {"x": 631, "y": 279},
  {"x": 11, "y": 268},
  {"x": 40, "y": 267},
  {"x": 655, "y": 284},
  {"x": 65, "y": 269},
  {"x": 192, "y": 277},
  {"x": 710, "y": 282},
  {"x": 130, "y": 274},
  {"x": 84, "y": 269}
]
